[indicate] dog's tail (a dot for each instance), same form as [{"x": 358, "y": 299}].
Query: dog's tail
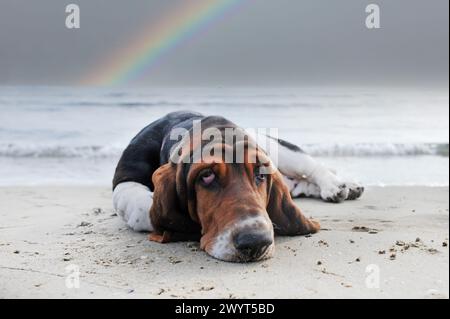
[{"x": 133, "y": 201}]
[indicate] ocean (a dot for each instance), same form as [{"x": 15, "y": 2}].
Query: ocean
[{"x": 74, "y": 136}]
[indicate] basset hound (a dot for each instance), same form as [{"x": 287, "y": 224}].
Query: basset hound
[{"x": 231, "y": 194}]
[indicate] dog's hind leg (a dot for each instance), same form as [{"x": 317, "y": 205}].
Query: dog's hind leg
[{"x": 132, "y": 201}]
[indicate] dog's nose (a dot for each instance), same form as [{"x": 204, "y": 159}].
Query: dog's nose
[{"x": 252, "y": 245}]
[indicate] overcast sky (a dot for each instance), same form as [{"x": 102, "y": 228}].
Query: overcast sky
[{"x": 264, "y": 42}]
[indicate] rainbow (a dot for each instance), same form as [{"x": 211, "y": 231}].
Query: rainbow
[{"x": 157, "y": 39}]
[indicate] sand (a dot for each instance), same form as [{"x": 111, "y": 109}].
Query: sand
[{"x": 392, "y": 243}]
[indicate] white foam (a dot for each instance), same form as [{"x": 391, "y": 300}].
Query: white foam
[
  {"x": 322, "y": 150},
  {"x": 377, "y": 149}
]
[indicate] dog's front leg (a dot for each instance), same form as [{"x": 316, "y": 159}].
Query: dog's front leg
[
  {"x": 301, "y": 166},
  {"x": 309, "y": 175},
  {"x": 301, "y": 188}
]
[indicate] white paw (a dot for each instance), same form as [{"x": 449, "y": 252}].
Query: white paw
[
  {"x": 132, "y": 201},
  {"x": 334, "y": 190},
  {"x": 355, "y": 190}
]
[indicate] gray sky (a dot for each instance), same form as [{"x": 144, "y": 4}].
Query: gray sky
[{"x": 264, "y": 42}]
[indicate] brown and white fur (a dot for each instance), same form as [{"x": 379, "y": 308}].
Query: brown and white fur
[{"x": 235, "y": 219}]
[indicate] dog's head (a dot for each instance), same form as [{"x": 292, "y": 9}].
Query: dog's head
[{"x": 232, "y": 207}]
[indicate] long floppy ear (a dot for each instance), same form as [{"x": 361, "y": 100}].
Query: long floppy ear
[
  {"x": 285, "y": 215},
  {"x": 168, "y": 214}
]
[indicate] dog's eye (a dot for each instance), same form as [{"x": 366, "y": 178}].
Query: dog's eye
[
  {"x": 260, "y": 178},
  {"x": 207, "y": 177}
]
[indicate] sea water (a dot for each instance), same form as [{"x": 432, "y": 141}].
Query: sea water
[{"x": 74, "y": 136}]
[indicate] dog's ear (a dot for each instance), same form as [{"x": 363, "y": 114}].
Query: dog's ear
[
  {"x": 285, "y": 215},
  {"x": 168, "y": 213}
]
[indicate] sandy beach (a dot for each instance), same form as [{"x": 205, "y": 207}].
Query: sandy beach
[{"x": 393, "y": 243}]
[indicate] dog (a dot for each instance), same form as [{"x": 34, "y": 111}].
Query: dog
[{"x": 167, "y": 184}]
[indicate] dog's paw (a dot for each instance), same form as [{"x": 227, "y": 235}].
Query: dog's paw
[
  {"x": 355, "y": 191},
  {"x": 132, "y": 202},
  {"x": 335, "y": 192}
]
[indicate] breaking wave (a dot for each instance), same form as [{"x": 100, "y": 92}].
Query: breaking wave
[
  {"x": 58, "y": 151},
  {"x": 320, "y": 150},
  {"x": 374, "y": 149}
]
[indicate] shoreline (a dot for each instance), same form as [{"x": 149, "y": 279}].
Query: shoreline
[{"x": 397, "y": 234}]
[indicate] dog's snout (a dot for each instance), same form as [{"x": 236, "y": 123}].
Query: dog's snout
[{"x": 252, "y": 245}]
